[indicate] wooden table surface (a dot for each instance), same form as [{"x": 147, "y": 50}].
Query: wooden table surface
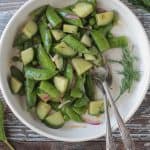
[{"x": 23, "y": 138}]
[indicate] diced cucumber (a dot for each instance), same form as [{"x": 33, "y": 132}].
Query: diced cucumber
[
  {"x": 42, "y": 110},
  {"x": 55, "y": 120},
  {"x": 50, "y": 90},
  {"x": 96, "y": 107},
  {"x": 57, "y": 34},
  {"x": 83, "y": 9},
  {"x": 86, "y": 40},
  {"x": 70, "y": 28},
  {"x": 104, "y": 18},
  {"x": 89, "y": 57},
  {"x": 30, "y": 29},
  {"x": 15, "y": 85},
  {"x": 58, "y": 61},
  {"x": 64, "y": 50},
  {"x": 61, "y": 83},
  {"x": 81, "y": 65},
  {"x": 27, "y": 56}
]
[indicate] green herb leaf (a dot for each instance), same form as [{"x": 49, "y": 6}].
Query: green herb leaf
[{"x": 129, "y": 72}]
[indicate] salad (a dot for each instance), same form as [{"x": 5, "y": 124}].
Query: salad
[{"x": 58, "y": 48}]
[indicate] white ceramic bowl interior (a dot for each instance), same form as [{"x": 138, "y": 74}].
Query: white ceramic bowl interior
[{"x": 128, "y": 104}]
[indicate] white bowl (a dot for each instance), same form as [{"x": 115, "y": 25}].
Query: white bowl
[{"x": 128, "y": 104}]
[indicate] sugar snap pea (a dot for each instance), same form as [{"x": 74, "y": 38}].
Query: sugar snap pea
[
  {"x": 53, "y": 17},
  {"x": 2, "y": 132},
  {"x": 39, "y": 74},
  {"x": 30, "y": 93},
  {"x": 75, "y": 44},
  {"x": 100, "y": 40},
  {"x": 120, "y": 41},
  {"x": 69, "y": 73},
  {"x": 69, "y": 17},
  {"x": 44, "y": 60},
  {"x": 45, "y": 35},
  {"x": 47, "y": 87}
]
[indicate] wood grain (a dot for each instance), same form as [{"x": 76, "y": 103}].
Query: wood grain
[{"x": 18, "y": 134}]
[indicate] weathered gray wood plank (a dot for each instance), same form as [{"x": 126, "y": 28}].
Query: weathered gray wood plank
[{"x": 139, "y": 125}]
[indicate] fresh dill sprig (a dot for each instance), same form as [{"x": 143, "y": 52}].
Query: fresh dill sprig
[{"x": 130, "y": 73}]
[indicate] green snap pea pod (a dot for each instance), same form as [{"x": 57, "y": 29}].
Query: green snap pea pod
[
  {"x": 50, "y": 90},
  {"x": 81, "y": 102},
  {"x": 120, "y": 41},
  {"x": 69, "y": 17},
  {"x": 27, "y": 44},
  {"x": 37, "y": 13},
  {"x": 44, "y": 60},
  {"x": 100, "y": 40},
  {"x": 75, "y": 44},
  {"x": 89, "y": 86},
  {"x": 15, "y": 72},
  {"x": 76, "y": 93},
  {"x": 45, "y": 35},
  {"x": 19, "y": 41},
  {"x": 36, "y": 40},
  {"x": 80, "y": 110},
  {"x": 2, "y": 131},
  {"x": 80, "y": 83},
  {"x": 30, "y": 93},
  {"x": 53, "y": 17},
  {"x": 73, "y": 115},
  {"x": 106, "y": 29},
  {"x": 39, "y": 74},
  {"x": 69, "y": 73}
]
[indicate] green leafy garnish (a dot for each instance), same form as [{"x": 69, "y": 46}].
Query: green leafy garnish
[
  {"x": 2, "y": 131},
  {"x": 141, "y": 3},
  {"x": 130, "y": 73}
]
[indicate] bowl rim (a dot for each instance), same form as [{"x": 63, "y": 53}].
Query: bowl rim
[{"x": 123, "y": 6}]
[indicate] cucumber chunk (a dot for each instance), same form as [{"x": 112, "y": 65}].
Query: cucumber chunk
[
  {"x": 81, "y": 65},
  {"x": 89, "y": 57},
  {"x": 27, "y": 56},
  {"x": 64, "y": 50},
  {"x": 86, "y": 40},
  {"x": 105, "y": 18},
  {"x": 42, "y": 110},
  {"x": 50, "y": 90},
  {"x": 30, "y": 29},
  {"x": 96, "y": 107},
  {"x": 61, "y": 83},
  {"x": 70, "y": 28},
  {"x": 57, "y": 34},
  {"x": 55, "y": 120},
  {"x": 83, "y": 9},
  {"x": 15, "y": 85},
  {"x": 59, "y": 62}
]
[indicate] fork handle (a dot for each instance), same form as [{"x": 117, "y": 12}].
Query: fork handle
[
  {"x": 125, "y": 135},
  {"x": 110, "y": 145}
]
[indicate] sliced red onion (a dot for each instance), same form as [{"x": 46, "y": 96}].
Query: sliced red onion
[
  {"x": 93, "y": 120},
  {"x": 100, "y": 10},
  {"x": 71, "y": 16},
  {"x": 45, "y": 97}
]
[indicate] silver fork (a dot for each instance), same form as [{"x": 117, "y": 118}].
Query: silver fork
[{"x": 100, "y": 75}]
